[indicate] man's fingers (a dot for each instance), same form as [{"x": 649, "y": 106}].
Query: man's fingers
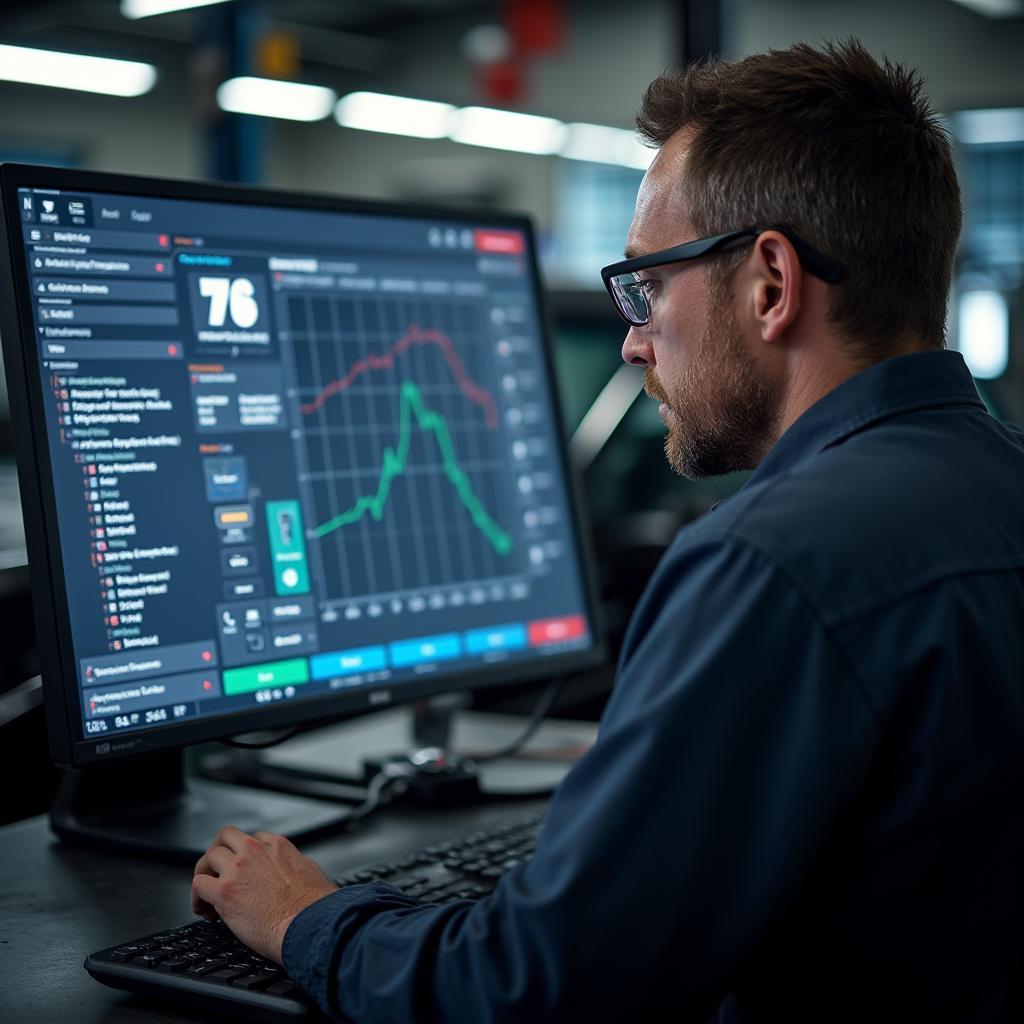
[
  {"x": 231, "y": 837},
  {"x": 273, "y": 840},
  {"x": 204, "y": 895},
  {"x": 203, "y": 909},
  {"x": 215, "y": 861}
]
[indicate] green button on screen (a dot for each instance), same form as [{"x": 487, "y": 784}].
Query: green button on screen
[{"x": 258, "y": 677}]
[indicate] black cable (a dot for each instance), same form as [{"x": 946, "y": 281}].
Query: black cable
[
  {"x": 377, "y": 795},
  {"x": 540, "y": 712}
]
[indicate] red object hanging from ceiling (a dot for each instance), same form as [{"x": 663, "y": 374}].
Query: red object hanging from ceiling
[{"x": 535, "y": 28}]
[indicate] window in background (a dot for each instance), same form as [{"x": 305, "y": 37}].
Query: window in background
[
  {"x": 991, "y": 257},
  {"x": 593, "y": 209},
  {"x": 994, "y": 199}
]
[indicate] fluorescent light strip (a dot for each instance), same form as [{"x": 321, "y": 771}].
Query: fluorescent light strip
[
  {"x": 593, "y": 142},
  {"x": 135, "y": 9},
  {"x": 394, "y": 115},
  {"x": 603, "y": 145},
  {"x": 493, "y": 128},
  {"x": 75, "y": 71},
  {"x": 269, "y": 97},
  {"x": 505, "y": 129}
]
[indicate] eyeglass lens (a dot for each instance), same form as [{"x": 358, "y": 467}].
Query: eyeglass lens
[{"x": 629, "y": 295}]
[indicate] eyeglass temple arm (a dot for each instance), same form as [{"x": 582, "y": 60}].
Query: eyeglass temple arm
[{"x": 828, "y": 269}]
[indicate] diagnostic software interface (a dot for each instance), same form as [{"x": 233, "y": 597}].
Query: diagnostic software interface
[{"x": 293, "y": 451}]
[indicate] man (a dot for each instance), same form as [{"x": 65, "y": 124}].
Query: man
[{"x": 805, "y": 800}]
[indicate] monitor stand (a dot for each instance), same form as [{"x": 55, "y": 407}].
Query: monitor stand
[
  {"x": 145, "y": 806},
  {"x": 431, "y": 774}
]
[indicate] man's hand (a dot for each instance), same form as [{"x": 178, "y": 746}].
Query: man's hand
[{"x": 257, "y": 884}]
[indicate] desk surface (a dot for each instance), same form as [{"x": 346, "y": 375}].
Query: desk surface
[{"x": 58, "y": 903}]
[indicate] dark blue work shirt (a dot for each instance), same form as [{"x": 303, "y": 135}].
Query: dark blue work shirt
[{"x": 805, "y": 800}]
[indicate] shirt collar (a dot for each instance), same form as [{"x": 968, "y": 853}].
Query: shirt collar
[{"x": 895, "y": 385}]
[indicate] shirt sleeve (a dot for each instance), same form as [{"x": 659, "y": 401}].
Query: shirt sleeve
[{"x": 734, "y": 737}]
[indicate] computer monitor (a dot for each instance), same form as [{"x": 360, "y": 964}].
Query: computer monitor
[{"x": 283, "y": 458}]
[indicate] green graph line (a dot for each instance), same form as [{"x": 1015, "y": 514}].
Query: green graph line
[{"x": 395, "y": 461}]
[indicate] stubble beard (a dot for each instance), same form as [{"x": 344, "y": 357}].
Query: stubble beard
[{"x": 725, "y": 409}]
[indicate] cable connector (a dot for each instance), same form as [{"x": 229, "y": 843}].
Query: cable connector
[{"x": 430, "y": 776}]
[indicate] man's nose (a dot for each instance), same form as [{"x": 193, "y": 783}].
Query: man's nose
[{"x": 637, "y": 349}]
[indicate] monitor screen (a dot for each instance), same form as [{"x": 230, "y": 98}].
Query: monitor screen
[{"x": 293, "y": 451}]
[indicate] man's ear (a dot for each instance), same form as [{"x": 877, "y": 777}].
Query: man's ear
[{"x": 777, "y": 282}]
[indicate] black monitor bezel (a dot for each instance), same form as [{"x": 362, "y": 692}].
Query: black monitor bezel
[{"x": 57, "y": 664}]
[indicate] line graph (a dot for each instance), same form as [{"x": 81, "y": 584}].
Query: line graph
[
  {"x": 415, "y": 335},
  {"x": 395, "y": 460},
  {"x": 406, "y": 459}
]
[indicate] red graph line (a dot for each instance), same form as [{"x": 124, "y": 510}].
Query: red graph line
[{"x": 415, "y": 335}]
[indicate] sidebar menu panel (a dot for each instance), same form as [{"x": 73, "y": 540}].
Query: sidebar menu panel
[{"x": 127, "y": 481}]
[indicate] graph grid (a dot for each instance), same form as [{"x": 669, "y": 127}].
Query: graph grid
[{"x": 407, "y": 465}]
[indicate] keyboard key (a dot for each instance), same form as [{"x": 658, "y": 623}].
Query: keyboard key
[
  {"x": 150, "y": 959},
  {"x": 446, "y": 893},
  {"x": 255, "y": 982},
  {"x": 224, "y": 975},
  {"x": 205, "y": 966},
  {"x": 283, "y": 988},
  {"x": 407, "y": 881},
  {"x": 123, "y": 953},
  {"x": 172, "y": 965}
]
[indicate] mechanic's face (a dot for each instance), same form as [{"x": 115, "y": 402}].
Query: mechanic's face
[{"x": 719, "y": 403}]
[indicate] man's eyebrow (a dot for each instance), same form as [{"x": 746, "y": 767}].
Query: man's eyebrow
[{"x": 631, "y": 251}]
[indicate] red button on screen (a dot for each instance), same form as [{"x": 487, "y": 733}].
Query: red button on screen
[
  {"x": 499, "y": 241},
  {"x": 553, "y": 631}
]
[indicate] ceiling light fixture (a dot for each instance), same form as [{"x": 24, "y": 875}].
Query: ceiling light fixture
[
  {"x": 493, "y": 128},
  {"x": 994, "y": 8},
  {"x": 135, "y": 9},
  {"x": 393, "y": 115},
  {"x": 79, "y": 71},
  {"x": 506, "y": 129},
  {"x": 271, "y": 97},
  {"x": 600, "y": 144}
]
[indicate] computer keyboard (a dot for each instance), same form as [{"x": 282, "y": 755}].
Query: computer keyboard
[{"x": 205, "y": 965}]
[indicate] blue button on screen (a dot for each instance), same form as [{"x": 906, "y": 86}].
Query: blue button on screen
[
  {"x": 426, "y": 649},
  {"x": 509, "y": 637},
  {"x": 343, "y": 663}
]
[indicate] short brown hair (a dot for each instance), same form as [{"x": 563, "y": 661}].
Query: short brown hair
[{"x": 844, "y": 150}]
